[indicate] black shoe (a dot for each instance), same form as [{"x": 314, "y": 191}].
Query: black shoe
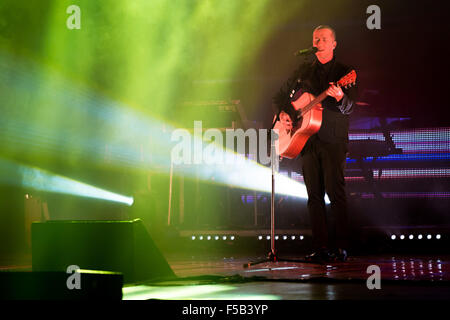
[
  {"x": 322, "y": 255},
  {"x": 340, "y": 255}
]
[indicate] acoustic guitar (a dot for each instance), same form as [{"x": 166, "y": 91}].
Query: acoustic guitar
[{"x": 309, "y": 119}]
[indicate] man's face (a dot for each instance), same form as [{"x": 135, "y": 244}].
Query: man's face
[{"x": 324, "y": 41}]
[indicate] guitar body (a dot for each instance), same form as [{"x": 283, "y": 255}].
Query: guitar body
[{"x": 291, "y": 142}]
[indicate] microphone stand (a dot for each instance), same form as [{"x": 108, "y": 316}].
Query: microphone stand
[{"x": 272, "y": 255}]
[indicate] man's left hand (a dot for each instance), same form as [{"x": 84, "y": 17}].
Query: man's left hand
[{"x": 335, "y": 92}]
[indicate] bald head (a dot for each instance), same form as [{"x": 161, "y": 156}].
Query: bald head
[
  {"x": 324, "y": 39},
  {"x": 324, "y": 26}
]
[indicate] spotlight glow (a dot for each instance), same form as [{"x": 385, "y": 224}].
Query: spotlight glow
[
  {"x": 39, "y": 179},
  {"x": 68, "y": 118},
  {"x": 393, "y": 237},
  {"x": 224, "y": 166}
]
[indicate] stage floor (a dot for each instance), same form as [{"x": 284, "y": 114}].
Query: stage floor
[{"x": 215, "y": 277}]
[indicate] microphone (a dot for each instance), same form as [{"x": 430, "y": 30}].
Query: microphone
[{"x": 311, "y": 50}]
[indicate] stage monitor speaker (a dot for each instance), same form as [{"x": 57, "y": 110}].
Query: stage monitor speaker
[
  {"x": 22, "y": 285},
  {"x": 117, "y": 246}
]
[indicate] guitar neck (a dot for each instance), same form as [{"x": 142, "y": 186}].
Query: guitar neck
[
  {"x": 311, "y": 105},
  {"x": 346, "y": 80}
]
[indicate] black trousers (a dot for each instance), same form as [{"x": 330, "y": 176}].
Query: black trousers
[{"x": 323, "y": 171}]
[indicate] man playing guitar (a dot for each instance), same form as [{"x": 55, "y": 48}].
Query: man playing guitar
[{"x": 324, "y": 154}]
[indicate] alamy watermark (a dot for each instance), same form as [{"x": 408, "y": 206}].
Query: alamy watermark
[
  {"x": 74, "y": 280},
  {"x": 206, "y": 147},
  {"x": 374, "y": 281},
  {"x": 374, "y": 20},
  {"x": 74, "y": 20}
]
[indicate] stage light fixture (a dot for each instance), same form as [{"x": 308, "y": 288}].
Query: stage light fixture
[
  {"x": 208, "y": 238},
  {"x": 216, "y": 238},
  {"x": 429, "y": 236},
  {"x": 393, "y": 237},
  {"x": 268, "y": 237},
  {"x": 285, "y": 237},
  {"x": 232, "y": 238},
  {"x": 438, "y": 236},
  {"x": 402, "y": 237},
  {"x": 411, "y": 237},
  {"x": 193, "y": 237},
  {"x": 419, "y": 237},
  {"x": 260, "y": 237},
  {"x": 302, "y": 237},
  {"x": 292, "y": 237}
]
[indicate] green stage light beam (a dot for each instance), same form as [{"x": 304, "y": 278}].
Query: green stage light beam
[
  {"x": 42, "y": 180},
  {"x": 234, "y": 169},
  {"x": 127, "y": 126},
  {"x": 96, "y": 127}
]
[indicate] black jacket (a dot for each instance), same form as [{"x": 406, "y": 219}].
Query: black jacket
[{"x": 314, "y": 77}]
